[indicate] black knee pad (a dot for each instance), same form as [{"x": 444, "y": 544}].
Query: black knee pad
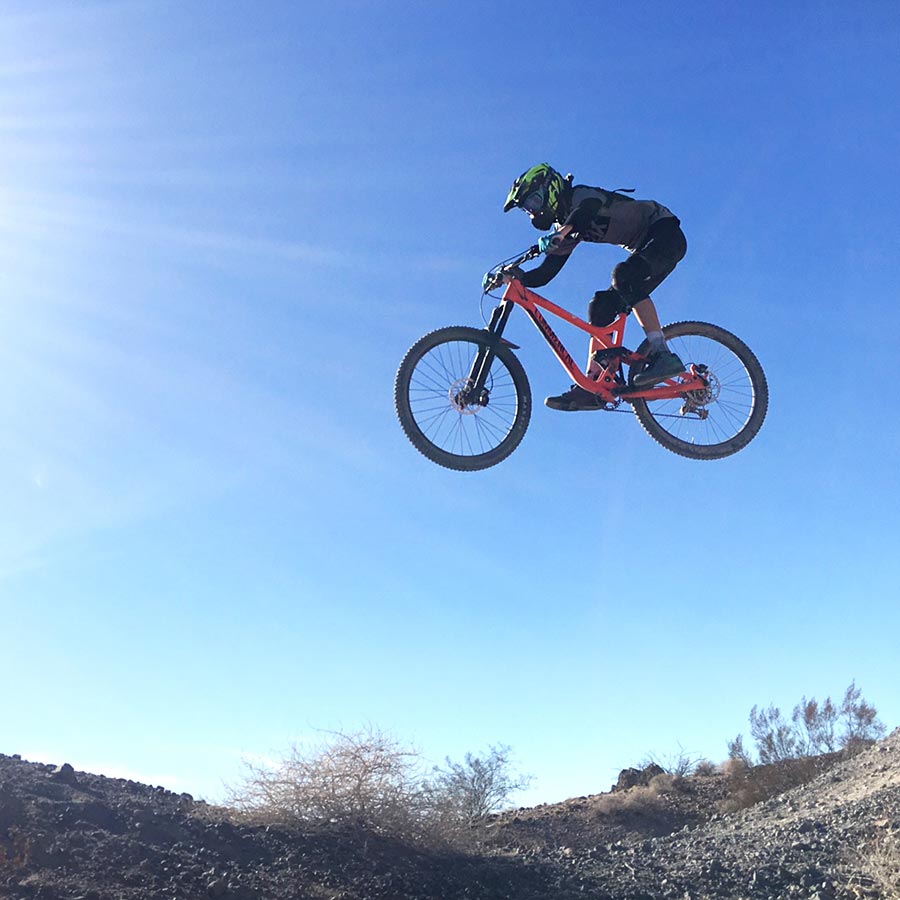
[
  {"x": 630, "y": 277},
  {"x": 604, "y": 307}
]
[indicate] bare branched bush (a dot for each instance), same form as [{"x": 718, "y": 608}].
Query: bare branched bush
[
  {"x": 817, "y": 731},
  {"x": 861, "y": 723},
  {"x": 368, "y": 779},
  {"x": 477, "y": 787},
  {"x": 681, "y": 763},
  {"x": 812, "y": 731},
  {"x": 775, "y": 738},
  {"x": 738, "y": 753},
  {"x": 792, "y": 753},
  {"x": 365, "y": 778}
]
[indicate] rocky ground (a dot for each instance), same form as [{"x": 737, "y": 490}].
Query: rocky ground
[{"x": 66, "y": 835}]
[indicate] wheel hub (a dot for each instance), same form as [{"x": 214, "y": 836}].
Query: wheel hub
[
  {"x": 461, "y": 398},
  {"x": 695, "y": 401}
]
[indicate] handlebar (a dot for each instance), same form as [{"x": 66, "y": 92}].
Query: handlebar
[
  {"x": 530, "y": 253},
  {"x": 500, "y": 268}
]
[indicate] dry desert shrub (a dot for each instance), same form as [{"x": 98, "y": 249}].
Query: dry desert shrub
[
  {"x": 879, "y": 863},
  {"x": 368, "y": 779},
  {"x": 814, "y": 729},
  {"x": 365, "y": 778},
  {"x": 666, "y": 783},
  {"x": 681, "y": 763},
  {"x": 643, "y": 799},
  {"x": 749, "y": 785},
  {"x": 734, "y": 767}
]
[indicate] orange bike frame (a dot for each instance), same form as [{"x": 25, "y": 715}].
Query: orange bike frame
[{"x": 604, "y": 337}]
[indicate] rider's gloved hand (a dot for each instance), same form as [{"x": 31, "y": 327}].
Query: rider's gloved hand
[
  {"x": 548, "y": 242},
  {"x": 490, "y": 281}
]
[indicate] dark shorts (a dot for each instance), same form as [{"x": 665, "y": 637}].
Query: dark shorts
[
  {"x": 663, "y": 248},
  {"x": 635, "y": 279}
]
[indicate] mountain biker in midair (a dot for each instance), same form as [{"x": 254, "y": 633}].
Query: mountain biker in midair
[{"x": 579, "y": 213}]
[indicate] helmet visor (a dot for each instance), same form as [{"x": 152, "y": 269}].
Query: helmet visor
[{"x": 534, "y": 202}]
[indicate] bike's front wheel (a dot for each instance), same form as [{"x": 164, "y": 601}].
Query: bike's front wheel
[
  {"x": 720, "y": 419},
  {"x": 441, "y": 413}
]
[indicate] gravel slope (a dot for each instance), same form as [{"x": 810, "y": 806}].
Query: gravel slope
[{"x": 67, "y": 834}]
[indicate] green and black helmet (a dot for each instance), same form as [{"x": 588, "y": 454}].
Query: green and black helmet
[{"x": 539, "y": 191}]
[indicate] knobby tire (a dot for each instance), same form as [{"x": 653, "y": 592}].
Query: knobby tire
[
  {"x": 737, "y": 412},
  {"x": 429, "y": 376}
]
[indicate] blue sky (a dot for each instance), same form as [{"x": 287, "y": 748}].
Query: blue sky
[{"x": 220, "y": 229}]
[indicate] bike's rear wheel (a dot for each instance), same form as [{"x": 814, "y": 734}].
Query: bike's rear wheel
[
  {"x": 440, "y": 417},
  {"x": 726, "y": 416}
]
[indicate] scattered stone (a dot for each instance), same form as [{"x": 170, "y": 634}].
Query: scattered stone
[
  {"x": 118, "y": 840},
  {"x": 65, "y": 773}
]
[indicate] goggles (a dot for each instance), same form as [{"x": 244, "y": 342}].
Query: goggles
[{"x": 534, "y": 202}]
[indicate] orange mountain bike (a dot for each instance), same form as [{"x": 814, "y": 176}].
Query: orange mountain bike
[{"x": 464, "y": 401}]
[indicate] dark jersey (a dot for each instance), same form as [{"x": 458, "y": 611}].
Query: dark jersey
[{"x": 602, "y": 217}]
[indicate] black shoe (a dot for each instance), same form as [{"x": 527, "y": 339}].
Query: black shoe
[
  {"x": 575, "y": 399},
  {"x": 660, "y": 365}
]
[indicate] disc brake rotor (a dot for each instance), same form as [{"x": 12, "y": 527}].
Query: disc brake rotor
[
  {"x": 461, "y": 400},
  {"x": 695, "y": 401}
]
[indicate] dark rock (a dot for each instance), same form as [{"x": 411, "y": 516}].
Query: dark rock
[
  {"x": 629, "y": 778},
  {"x": 65, "y": 773},
  {"x": 217, "y": 888}
]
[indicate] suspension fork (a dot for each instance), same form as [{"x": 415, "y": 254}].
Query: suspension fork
[{"x": 484, "y": 359}]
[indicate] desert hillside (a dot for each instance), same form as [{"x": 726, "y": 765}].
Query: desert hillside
[{"x": 66, "y": 835}]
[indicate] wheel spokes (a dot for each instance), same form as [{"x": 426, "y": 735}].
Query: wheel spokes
[
  {"x": 731, "y": 399},
  {"x": 436, "y": 381}
]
